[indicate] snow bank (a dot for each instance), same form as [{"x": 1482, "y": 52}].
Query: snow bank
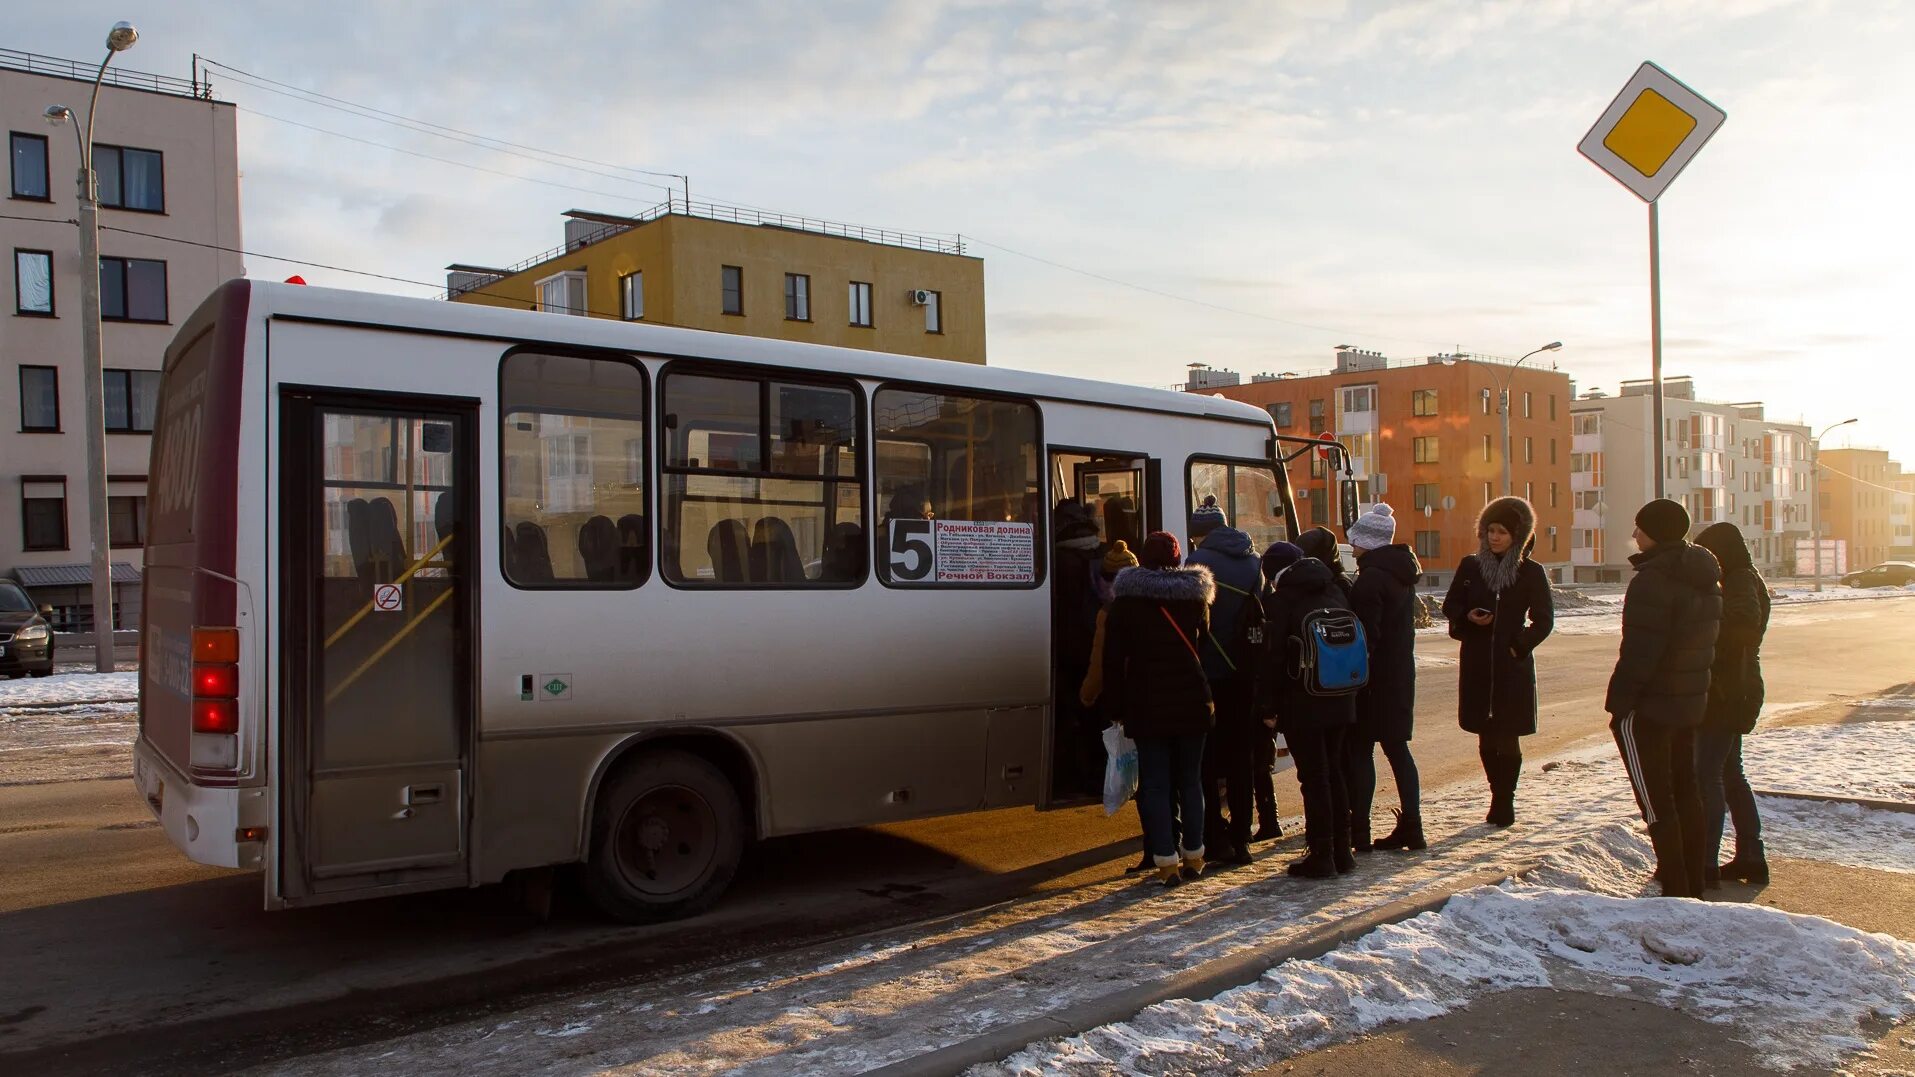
[
  {"x": 1858, "y": 759},
  {"x": 1795, "y": 987},
  {"x": 69, "y": 688}
]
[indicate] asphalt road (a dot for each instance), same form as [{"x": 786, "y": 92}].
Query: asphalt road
[{"x": 118, "y": 952}]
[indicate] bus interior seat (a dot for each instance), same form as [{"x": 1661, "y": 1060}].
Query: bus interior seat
[
  {"x": 844, "y": 554},
  {"x": 389, "y": 547},
  {"x": 729, "y": 546},
  {"x": 534, "y": 558},
  {"x": 631, "y": 546},
  {"x": 774, "y": 552},
  {"x": 444, "y": 520},
  {"x": 359, "y": 536},
  {"x": 598, "y": 548},
  {"x": 509, "y": 552}
]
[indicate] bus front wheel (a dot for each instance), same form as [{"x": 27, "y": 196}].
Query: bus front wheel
[{"x": 666, "y": 838}]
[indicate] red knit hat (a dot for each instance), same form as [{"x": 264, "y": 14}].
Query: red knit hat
[{"x": 1161, "y": 550}]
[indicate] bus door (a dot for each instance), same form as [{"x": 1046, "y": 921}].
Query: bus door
[
  {"x": 1119, "y": 490},
  {"x": 377, "y": 559}
]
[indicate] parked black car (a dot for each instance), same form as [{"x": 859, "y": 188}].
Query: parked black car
[
  {"x": 1886, "y": 574},
  {"x": 26, "y": 639}
]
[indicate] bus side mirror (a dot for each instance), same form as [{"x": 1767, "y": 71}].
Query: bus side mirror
[{"x": 1347, "y": 490}]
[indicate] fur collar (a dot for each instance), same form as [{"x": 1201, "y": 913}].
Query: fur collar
[{"x": 1191, "y": 583}]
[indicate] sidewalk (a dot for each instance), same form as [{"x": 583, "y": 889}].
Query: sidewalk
[{"x": 1568, "y": 971}]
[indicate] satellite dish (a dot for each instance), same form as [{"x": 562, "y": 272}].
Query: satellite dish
[
  {"x": 1449, "y": 503},
  {"x": 1427, "y": 510}
]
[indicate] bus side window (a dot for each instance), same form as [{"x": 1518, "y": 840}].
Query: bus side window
[{"x": 573, "y": 437}]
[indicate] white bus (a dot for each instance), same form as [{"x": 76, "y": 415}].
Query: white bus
[{"x": 435, "y": 592}]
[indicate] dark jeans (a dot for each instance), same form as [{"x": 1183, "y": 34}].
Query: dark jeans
[
  {"x": 1359, "y": 775},
  {"x": 1725, "y": 788},
  {"x": 1230, "y": 759},
  {"x": 1170, "y": 771},
  {"x": 1326, "y": 807},
  {"x": 1661, "y": 764}
]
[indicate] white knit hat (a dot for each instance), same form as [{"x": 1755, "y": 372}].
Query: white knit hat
[{"x": 1374, "y": 528}]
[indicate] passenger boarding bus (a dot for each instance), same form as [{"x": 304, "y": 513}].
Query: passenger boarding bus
[{"x": 436, "y": 592}]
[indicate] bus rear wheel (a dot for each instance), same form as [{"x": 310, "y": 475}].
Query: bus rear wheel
[{"x": 667, "y": 837}]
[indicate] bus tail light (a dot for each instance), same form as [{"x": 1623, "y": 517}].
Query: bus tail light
[{"x": 216, "y": 698}]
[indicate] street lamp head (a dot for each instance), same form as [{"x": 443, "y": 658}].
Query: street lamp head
[
  {"x": 57, "y": 114},
  {"x": 1554, "y": 345},
  {"x": 121, "y": 37}
]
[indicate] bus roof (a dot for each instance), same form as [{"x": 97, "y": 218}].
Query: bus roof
[{"x": 375, "y": 310}]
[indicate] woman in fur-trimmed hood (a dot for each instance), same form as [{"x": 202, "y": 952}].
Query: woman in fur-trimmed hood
[
  {"x": 1500, "y": 608},
  {"x": 1157, "y": 626}
]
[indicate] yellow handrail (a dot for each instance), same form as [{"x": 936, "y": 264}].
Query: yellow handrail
[
  {"x": 340, "y": 632},
  {"x": 385, "y": 648}
]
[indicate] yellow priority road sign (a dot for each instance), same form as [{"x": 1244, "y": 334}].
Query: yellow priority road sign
[{"x": 1650, "y": 131}]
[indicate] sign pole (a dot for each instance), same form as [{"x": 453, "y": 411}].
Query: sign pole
[{"x": 1655, "y": 344}]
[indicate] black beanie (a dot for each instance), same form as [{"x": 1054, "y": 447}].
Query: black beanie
[{"x": 1664, "y": 520}]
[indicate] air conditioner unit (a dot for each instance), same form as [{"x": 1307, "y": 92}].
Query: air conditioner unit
[{"x": 921, "y": 296}]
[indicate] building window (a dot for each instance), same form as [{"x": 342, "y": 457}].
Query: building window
[
  {"x": 1360, "y": 398},
  {"x": 132, "y": 290},
  {"x": 130, "y": 178},
  {"x": 1552, "y": 407},
  {"x": 860, "y": 304},
  {"x": 1317, "y": 425},
  {"x": 1552, "y": 495},
  {"x": 797, "y": 297},
  {"x": 1488, "y": 495},
  {"x": 132, "y": 398},
  {"x": 40, "y": 399},
  {"x": 1280, "y": 414},
  {"x": 1529, "y": 450},
  {"x": 1425, "y": 450},
  {"x": 1429, "y": 544},
  {"x": 562, "y": 293},
  {"x": 1426, "y": 495},
  {"x": 762, "y": 482},
  {"x": 572, "y": 504},
  {"x": 1552, "y": 540},
  {"x": 1589, "y": 422},
  {"x": 1529, "y": 492},
  {"x": 933, "y": 311},
  {"x": 1423, "y": 402},
  {"x": 1525, "y": 405},
  {"x": 33, "y": 282},
  {"x": 1486, "y": 449},
  {"x": 631, "y": 296},
  {"x": 1486, "y": 401},
  {"x": 29, "y": 156},
  {"x": 1319, "y": 505},
  {"x": 960, "y": 510},
  {"x": 126, "y": 521},
  {"x": 43, "y": 512},
  {"x": 731, "y": 290},
  {"x": 1552, "y": 452}
]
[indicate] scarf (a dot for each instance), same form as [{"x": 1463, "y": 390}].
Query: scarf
[{"x": 1498, "y": 572}]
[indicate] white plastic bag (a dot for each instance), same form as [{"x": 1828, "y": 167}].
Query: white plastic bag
[{"x": 1120, "y": 768}]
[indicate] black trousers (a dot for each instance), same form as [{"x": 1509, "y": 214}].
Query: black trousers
[
  {"x": 1326, "y": 806},
  {"x": 1359, "y": 775},
  {"x": 1264, "y": 740},
  {"x": 1230, "y": 762},
  {"x": 1661, "y": 762}
]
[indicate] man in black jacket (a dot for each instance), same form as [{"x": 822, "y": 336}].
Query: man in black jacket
[
  {"x": 1657, "y": 695},
  {"x": 1384, "y": 598},
  {"x": 1312, "y": 725}
]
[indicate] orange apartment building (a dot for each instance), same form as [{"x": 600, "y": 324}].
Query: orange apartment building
[
  {"x": 1425, "y": 435},
  {"x": 1864, "y": 500}
]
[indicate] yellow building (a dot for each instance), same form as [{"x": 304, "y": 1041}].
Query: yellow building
[{"x": 733, "y": 270}]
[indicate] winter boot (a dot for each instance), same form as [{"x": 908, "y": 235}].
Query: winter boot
[
  {"x": 1665, "y": 836},
  {"x": 1340, "y": 855},
  {"x": 1170, "y": 876},
  {"x": 1193, "y": 864},
  {"x": 1318, "y": 865},
  {"x": 1747, "y": 867},
  {"x": 1269, "y": 830},
  {"x": 1502, "y": 803},
  {"x": 1408, "y": 833},
  {"x": 1360, "y": 834}
]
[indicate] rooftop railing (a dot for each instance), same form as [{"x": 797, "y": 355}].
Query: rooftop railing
[
  {"x": 33, "y": 63},
  {"x": 716, "y": 211}
]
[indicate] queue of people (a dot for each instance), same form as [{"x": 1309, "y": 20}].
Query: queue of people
[{"x": 1201, "y": 658}]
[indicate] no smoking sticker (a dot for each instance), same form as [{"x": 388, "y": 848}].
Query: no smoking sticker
[{"x": 387, "y": 598}]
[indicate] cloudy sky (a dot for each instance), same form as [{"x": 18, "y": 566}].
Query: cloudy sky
[{"x": 1244, "y": 184}]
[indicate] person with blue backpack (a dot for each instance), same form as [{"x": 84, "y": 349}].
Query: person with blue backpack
[
  {"x": 1229, "y": 660},
  {"x": 1315, "y": 663}
]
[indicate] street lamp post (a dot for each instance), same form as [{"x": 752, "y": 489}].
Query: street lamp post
[
  {"x": 118, "y": 40},
  {"x": 1504, "y": 404},
  {"x": 1815, "y": 498}
]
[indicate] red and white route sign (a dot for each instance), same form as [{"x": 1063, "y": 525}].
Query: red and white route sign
[{"x": 387, "y": 598}]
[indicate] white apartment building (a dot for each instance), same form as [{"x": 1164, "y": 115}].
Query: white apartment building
[
  {"x": 166, "y": 157},
  {"x": 1724, "y": 462}
]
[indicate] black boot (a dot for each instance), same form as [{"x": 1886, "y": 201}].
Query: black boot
[
  {"x": 1318, "y": 865},
  {"x": 1502, "y": 802},
  {"x": 1408, "y": 833},
  {"x": 1268, "y": 828},
  {"x": 1672, "y": 867},
  {"x": 1340, "y": 848},
  {"x": 1748, "y": 866},
  {"x": 1360, "y": 834}
]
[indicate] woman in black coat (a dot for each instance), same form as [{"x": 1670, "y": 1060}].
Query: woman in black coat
[
  {"x": 1735, "y": 701},
  {"x": 1500, "y": 607},
  {"x": 1155, "y": 686},
  {"x": 1384, "y": 599},
  {"x": 1312, "y": 725}
]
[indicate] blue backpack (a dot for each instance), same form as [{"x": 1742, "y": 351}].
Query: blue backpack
[{"x": 1333, "y": 656}]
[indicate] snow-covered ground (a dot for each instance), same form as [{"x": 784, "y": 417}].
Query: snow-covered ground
[
  {"x": 60, "y": 688},
  {"x": 849, "y": 1007},
  {"x": 67, "y": 726}
]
